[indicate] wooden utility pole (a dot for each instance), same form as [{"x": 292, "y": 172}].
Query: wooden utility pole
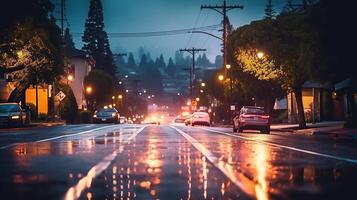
[
  {"x": 223, "y": 9},
  {"x": 192, "y": 51}
]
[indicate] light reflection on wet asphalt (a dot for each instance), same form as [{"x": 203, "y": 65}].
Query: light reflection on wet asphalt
[{"x": 159, "y": 163}]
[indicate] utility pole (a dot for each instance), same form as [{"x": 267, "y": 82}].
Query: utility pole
[
  {"x": 223, "y": 9},
  {"x": 192, "y": 51},
  {"x": 62, "y": 17}
]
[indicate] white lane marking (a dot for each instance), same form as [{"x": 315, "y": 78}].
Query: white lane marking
[
  {"x": 225, "y": 169},
  {"x": 285, "y": 147},
  {"x": 59, "y": 137},
  {"x": 84, "y": 183}
]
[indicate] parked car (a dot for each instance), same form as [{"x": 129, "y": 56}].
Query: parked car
[
  {"x": 198, "y": 118},
  {"x": 252, "y": 118},
  {"x": 11, "y": 114},
  {"x": 106, "y": 115},
  {"x": 122, "y": 120}
]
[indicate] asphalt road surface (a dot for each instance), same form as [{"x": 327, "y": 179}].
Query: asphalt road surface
[{"x": 173, "y": 162}]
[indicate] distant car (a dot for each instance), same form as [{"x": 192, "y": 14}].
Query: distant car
[
  {"x": 11, "y": 114},
  {"x": 199, "y": 118},
  {"x": 122, "y": 120},
  {"x": 106, "y": 115},
  {"x": 252, "y": 118}
]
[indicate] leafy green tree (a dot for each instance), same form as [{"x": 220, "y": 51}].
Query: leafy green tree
[
  {"x": 30, "y": 44},
  {"x": 103, "y": 87},
  {"x": 95, "y": 39},
  {"x": 290, "y": 43}
]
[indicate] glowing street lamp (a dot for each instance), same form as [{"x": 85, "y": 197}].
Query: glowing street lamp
[
  {"x": 113, "y": 97},
  {"x": 260, "y": 55},
  {"x": 197, "y": 99},
  {"x": 70, "y": 77},
  {"x": 228, "y": 66},
  {"x": 203, "y": 84},
  {"x": 120, "y": 96},
  {"x": 220, "y": 77},
  {"x": 89, "y": 89}
]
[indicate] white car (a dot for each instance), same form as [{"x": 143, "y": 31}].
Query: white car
[{"x": 200, "y": 118}]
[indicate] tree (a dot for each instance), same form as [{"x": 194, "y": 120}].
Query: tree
[
  {"x": 171, "y": 67},
  {"x": 269, "y": 10},
  {"x": 103, "y": 87},
  {"x": 68, "y": 42},
  {"x": 160, "y": 62},
  {"x": 95, "y": 39},
  {"x": 290, "y": 43},
  {"x": 143, "y": 63},
  {"x": 30, "y": 44},
  {"x": 131, "y": 61}
]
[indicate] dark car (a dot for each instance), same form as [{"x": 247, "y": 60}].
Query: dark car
[
  {"x": 252, "y": 118},
  {"x": 11, "y": 114},
  {"x": 106, "y": 115}
]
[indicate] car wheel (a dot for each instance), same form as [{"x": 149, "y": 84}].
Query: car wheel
[
  {"x": 265, "y": 130},
  {"x": 234, "y": 128}
]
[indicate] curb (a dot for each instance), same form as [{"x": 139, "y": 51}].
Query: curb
[{"x": 335, "y": 135}]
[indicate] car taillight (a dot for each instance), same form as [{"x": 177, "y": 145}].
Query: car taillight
[
  {"x": 247, "y": 116},
  {"x": 265, "y": 116}
]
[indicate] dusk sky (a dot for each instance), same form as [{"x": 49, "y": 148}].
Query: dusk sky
[{"x": 132, "y": 16}]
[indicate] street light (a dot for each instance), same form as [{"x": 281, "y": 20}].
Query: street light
[
  {"x": 120, "y": 96},
  {"x": 89, "y": 89},
  {"x": 70, "y": 77},
  {"x": 260, "y": 55},
  {"x": 197, "y": 99},
  {"x": 228, "y": 66},
  {"x": 220, "y": 77},
  {"x": 113, "y": 97},
  {"x": 203, "y": 84}
]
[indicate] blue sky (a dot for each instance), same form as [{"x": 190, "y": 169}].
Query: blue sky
[{"x": 123, "y": 16}]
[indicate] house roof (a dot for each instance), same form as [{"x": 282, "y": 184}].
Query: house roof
[
  {"x": 348, "y": 83},
  {"x": 76, "y": 53}
]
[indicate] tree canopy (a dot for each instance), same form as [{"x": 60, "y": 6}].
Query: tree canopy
[{"x": 95, "y": 39}]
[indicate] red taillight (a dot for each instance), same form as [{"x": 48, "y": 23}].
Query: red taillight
[
  {"x": 247, "y": 116},
  {"x": 264, "y": 116}
]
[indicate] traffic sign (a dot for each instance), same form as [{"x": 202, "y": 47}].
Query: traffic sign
[{"x": 60, "y": 96}]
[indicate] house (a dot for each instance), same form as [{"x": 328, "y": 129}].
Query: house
[
  {"x": 345, "y": 97},
  {"x": 313, "y": 100},
  {"x": 81, "y": 64}
]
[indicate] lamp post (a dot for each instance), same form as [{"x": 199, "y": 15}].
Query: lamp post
[{"x": 89, "y": 91}]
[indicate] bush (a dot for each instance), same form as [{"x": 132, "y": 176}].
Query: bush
[
  {"x": 68, "y": 107},
  {"x": 32, "y": 109},
  {"x": 85, "y": 116}
]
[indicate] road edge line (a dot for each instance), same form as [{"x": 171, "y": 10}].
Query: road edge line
[{"x": 286, "y": 147}]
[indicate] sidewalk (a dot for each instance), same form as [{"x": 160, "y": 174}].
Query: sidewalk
[{"x": 333, "y": 129}]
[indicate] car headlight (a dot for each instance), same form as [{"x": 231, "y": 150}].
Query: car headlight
[
  {"x": 114, "y": 114},
  {"x": 15, "y": 117}
]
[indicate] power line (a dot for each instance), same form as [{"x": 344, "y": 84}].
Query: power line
[
  {"x": 189, "y": 40},
  {"x": 223, "y": 9},
  {"x": 156, "y": 33}
]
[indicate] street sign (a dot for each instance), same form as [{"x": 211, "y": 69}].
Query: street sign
[{"x": 60, "y": 96}]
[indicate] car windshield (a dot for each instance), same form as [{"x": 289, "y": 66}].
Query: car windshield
[
  {"x": 200, "y": 114},
  {"x": 9, "y": 108},
  {"x": 254, "y": 111},
  {"x": 107, "y": 110}
]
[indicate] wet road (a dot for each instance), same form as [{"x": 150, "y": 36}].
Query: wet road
[{"x": 172, "y": 162}]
